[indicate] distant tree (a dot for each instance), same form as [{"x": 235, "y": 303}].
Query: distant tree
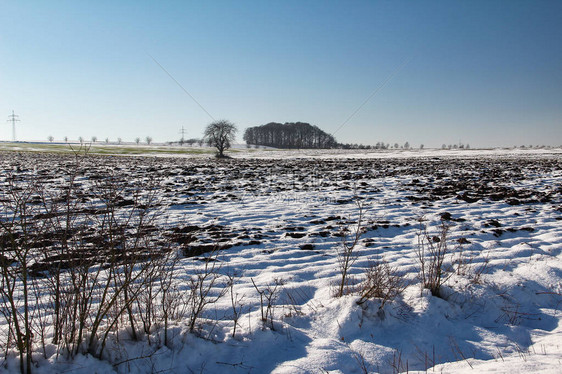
[
  {"x": 468, "y": 146},
  {"x": 220, "y": 134},
  {"x": 148, "y": 140},
  {"x": 421, "y": 146},
  {"x": 51, "y": 138},
  {"x": 396, "y": 145},
  {"x": 137, "y": 140},
  {"x": 192, "y": 141},
  {"x": 119, "y": 140},
  {"x": 406, "y": 145},
  {"x": 106, "y": 140},
  {"x": 66, "y": 139},
  {"x": 81, "y": 139},
  {"x": 444, "y": 146},
  {"x": 94, "y": 139}
]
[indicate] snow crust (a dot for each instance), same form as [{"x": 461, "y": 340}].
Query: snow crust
[{"x": 501, "y": 312}]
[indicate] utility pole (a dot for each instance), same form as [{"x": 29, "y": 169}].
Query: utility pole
[
  {"x": 13, "y": 118},
  {"x": 182, "y": 132}
]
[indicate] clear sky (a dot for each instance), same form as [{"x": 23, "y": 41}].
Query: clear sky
[{"x": 487, "y": 73}]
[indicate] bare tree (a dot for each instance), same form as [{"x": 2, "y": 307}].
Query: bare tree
[
  {"x": 51, "y": 138},
  {"x": 148, "y": 140},
  {"x": 137, "y": 140},
  {"x": 191, "y": 141},
  {"x": 94, "y": 139},
  {"x": 220, "y": 134}
]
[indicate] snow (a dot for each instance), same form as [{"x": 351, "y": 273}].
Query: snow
[{"x": 500, "y": 312}]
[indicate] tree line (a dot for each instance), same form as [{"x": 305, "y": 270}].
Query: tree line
[{"x": 289, "y": 135}]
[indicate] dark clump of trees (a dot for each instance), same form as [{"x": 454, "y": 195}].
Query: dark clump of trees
[{"x": 289, "y": 135}]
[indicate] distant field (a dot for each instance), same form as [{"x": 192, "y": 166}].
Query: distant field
[
  {"x": 106, "y": 149},
  {"x": 241, "y": 151}
]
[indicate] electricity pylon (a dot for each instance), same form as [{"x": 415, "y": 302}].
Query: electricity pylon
[
  {"x": 182, "y": 132},
  {"x": 13, "y": 118}
]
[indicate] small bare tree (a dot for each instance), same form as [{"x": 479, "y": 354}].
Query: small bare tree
[{"x": 148, "y": 140}]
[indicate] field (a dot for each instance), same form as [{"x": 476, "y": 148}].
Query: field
[{"x": 262, "y": 263}]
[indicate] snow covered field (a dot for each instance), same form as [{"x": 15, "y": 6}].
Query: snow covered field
[{"x": 279, "y": 218}]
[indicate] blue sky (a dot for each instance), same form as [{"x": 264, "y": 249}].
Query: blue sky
[{"x": 487, "y": 73}]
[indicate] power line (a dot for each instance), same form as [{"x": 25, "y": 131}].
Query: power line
[
  {"x": 379, "y": 88},
  {"x": 13, "y": 118},
  {"x": 179, "y": 85}
]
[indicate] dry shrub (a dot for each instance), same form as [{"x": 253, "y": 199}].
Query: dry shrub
[
  {"x": 382, "y": 282},
  {"x": 268, "y": 297},
  {"x": 347, "y": 254},
  {"x": 203, "y": 286},
  {"x": 431, "y": 254}
]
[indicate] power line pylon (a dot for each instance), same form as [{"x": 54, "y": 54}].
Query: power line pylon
[
  {"x": 13, "y": 118},
  {"x": 182, "y": 132}
]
